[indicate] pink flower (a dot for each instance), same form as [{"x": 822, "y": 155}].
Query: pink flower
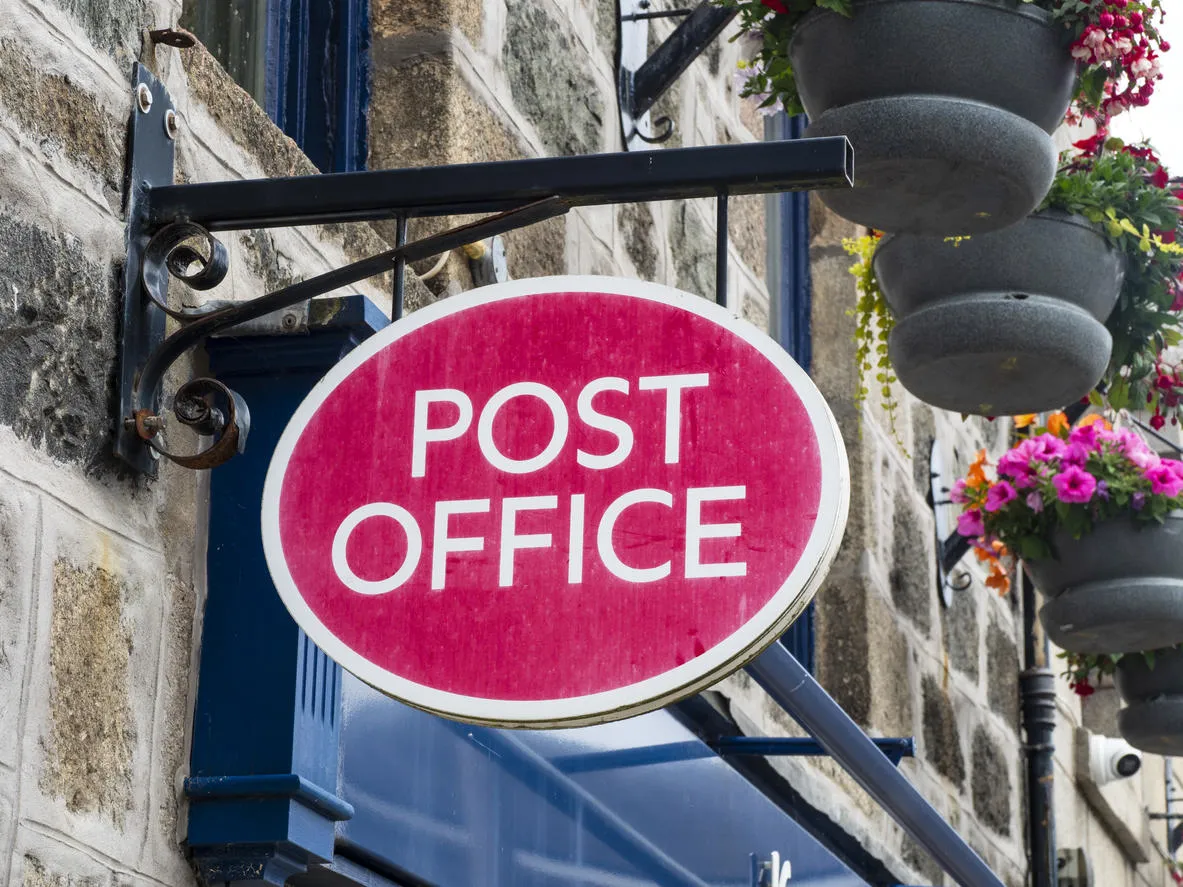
[
  {"x": 1074, "y": 454},
  {"x": 970, "y": 523},
  {"x": 957, "y": 494},
  {"x": 999, "y": 495},
  {"x": 1035, "y": 502},
  {"x": 1073, "y": 484},
  {"x": 1175, "y": 465},
  {"x": 1164, "y": 481},
  {"x": 1048, "y": 446},
  {"x": 1085, "y": 435}
]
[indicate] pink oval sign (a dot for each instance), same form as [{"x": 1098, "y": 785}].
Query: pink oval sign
[{"x": 555, "y": 502}]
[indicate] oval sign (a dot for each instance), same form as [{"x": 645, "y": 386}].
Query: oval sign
[{"x": 555, "y": 502}]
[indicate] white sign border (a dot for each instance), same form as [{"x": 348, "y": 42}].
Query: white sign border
[{"x": 739, "y": 648}]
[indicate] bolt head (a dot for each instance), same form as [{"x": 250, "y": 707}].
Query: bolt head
[
  {"x": 143, "y": 98},
  {"x": 171, "y": 123}
]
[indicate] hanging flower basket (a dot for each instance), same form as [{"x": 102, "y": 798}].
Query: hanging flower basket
[
  {"x": 1001, "y": 323},
  {"x": 1153, "y": 691},
  {"x": 1118, "y": 589},
  {"x": 949, "y": 105}
]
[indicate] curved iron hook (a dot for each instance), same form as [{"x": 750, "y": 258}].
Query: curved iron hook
[
  {"x": 663, "y": 121},
  {"x": 168, "y": 253},
  {"x": 192, "y": 407}
]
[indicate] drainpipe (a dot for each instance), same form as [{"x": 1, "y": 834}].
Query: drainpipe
[{"x": 1037, "y": 687}]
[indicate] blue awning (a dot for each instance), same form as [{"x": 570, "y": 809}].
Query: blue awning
[{"x": 458, "y": 804}]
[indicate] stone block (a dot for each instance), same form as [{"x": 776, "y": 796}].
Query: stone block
[
  {"x": 842, "y": 649},
  {"x": 1002, "y": 671},
  {"x": 607, "y": 26},
  {"x": 91, "y": 731},
  {"x": 550, "y": 81},
  {"x": 924, "y": 435},
  {"x": 65, "y": 119},
  {"x": 942, "y": 735},
  {"x": 754, "y": 309},
  {"x": 58, "y": 322},
  {"x": 20, "y": 522},
  {"x": 746, "y": 222},
  {"x": 112, "y": 26},
  {"x": 890, "y": 668},
  {"x": 913, "y": 571},
  {"x": 961, "y": 632},
  {"x": 390, "y": 17},
  {"x": 991, "y": 782},
  {"x": 42, "y": 860},
  {"x": 692, "y": 249},
  {"x": 917, "y": 857},
  {"x": 638, "y": 231}
]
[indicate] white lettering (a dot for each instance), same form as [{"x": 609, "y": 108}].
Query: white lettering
[
  {"x": 421, "y": 435},
  {"x": 617, "y": 427},
  {"x": 511, "y": 541},
  {"x": 558, "y": 436},
  {"x": 608, "y": 523},
  {"x": 696, "y": 531},
  {"x": 441, "y": 545},
  {"x": 410, "y": 560},
  {"x": 575, "y": 541},
  {"x": 673, "y": 385}
]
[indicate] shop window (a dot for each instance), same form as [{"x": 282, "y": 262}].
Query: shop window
[{"x": 305, "y": 61}]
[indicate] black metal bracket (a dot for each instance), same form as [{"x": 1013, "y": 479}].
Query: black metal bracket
[
  {"x": 643, "y": 78},
  {"x": 169, "y": 238}
]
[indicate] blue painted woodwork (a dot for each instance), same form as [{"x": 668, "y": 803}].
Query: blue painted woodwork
[
  {"x": 317, "y": 78},
  {"x": 267, "y": 718}
]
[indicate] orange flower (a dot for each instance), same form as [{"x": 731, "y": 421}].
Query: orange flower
[
  {"x": 1093, "y": 419},
  {"x": 998, "y": 579},
  {"x": 1025, "y": 421},
  {"x": 977, "y": 475},
  {"x": 1057, "y": 424}
]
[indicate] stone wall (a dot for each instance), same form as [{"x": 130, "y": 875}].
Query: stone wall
[{"x": 100, "y": 573}]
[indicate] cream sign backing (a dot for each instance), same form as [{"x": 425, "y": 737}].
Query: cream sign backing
[{"x": 555, "y": 502}]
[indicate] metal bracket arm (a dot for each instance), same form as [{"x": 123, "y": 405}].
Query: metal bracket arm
[{"x": 169, "y": 237}]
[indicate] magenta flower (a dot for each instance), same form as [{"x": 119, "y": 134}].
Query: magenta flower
[
  {"x": 1175, "y": 465},
  {"x": 970, "y": 523},
  {"x": 1085, "y": 435},
  {"x": 1074, "y": 454},
  {"x": 1035, "y": 502},
  {"x": 1074, "y": 484},
  {"x": 999, "y": 495},
  {"x": 957, "y": 494},
  {"x": 1049, "y": 446},
  {"x": 1164, "y": 481}
]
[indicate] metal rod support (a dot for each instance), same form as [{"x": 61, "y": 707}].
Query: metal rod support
[
  {"x": 670, "y": 60},
  {"x": 894, "y": 749},
  {"x": 721, "y": 237},
  {"x": 400, "y": 271},
  {"x": 591, "y": 180},
  {"x": 795, "y": 690},
  {"x": 646, "y": 16},
  {"x": 193, "y": 332}
]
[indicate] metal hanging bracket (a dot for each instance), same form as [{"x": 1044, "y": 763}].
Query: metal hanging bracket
[
  {"x": 643, "y": 78},
  {"x": 169, "y": 239}
]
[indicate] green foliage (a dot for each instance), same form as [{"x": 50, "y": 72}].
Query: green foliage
[
  {"x": 873, "y": 323},
  {"x": 1125, "y": 192}
]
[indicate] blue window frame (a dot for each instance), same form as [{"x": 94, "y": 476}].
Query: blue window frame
[
  {"x": 305, "y": 61},
  {"x": 791, "y": 286}
]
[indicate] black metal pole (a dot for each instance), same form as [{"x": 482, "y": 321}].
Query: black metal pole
[
  {"x": 676, "y": 54},
  {"x": 1037, "y": 688},
  {"x": 590, "y": 180},
  {"x": 721, "y": 237},
  {"x": 400, "y": 271}
]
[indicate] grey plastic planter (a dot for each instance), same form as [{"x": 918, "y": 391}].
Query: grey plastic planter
[
  {"x": 1153, "y": 717},
  {"x": 1001, "y": 323},
  {"x": 1117, "y": 590},
  {"x": 948, "y": 103}
]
